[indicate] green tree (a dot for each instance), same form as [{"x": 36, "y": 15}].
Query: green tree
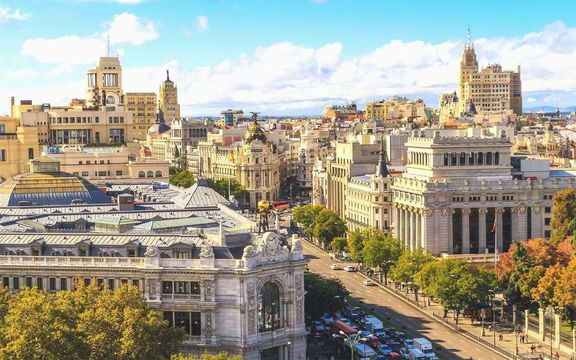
[
  {"x": 381, "y": 251},
  {"x": 328, "y": 225},
  {"x": 182, "y": 178},
  {"x": 563, "y": 215},
  {"x": 323, "y": 295},
  {"x": 339, "y": 244},
  {"x": 219, "y": 356},
  {"x": 223, "y": 185},
  {"x": 306, "y": 216},
  {"x": 356, "y": 240},
  {"x": 409, "y": 263}
]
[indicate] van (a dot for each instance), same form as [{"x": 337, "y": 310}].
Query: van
[{"x": 415, "y": 354}]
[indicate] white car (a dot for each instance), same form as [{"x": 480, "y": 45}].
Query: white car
[
  {"x": 334, "y": 267},
  {"x": 349, "y": 268},
  {"x": 368, "y": 282}
]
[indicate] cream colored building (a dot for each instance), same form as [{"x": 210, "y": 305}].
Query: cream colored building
[
  {"x": 369, "y": 199},
  {"x": 142, "y": 105},
  {"x": 18, "y": 145},
  {"x": 393, "y": 111},
  {"x": 492, "y": 90},
  {"x": 109, "y": 163},
  {"x": 254, "y": 163},
  {"x": 456, "y": 188},
  {"x": 168, "y": 96}
]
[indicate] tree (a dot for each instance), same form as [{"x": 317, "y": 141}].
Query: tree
[
  {"x": 410, "y": 263},
  {"x": 223, "y": 185},
  {"x": 306, "y": 216},
  {"x": 328, "y": 225},
  {"x": 563, "y": 215},
  {"x": 339, "y": 244},
  {"x": 356, "y": 241},
  {"x": 456, "y": 284},
  {"x": 565, "y": 291},
  {"x": 381, "y": 251},
  {"x": 182, "y": 178},
  {"x": 219, "y": 356},
  {"x": 544, "y": 291},
  {"x": 323, "y": 295}
]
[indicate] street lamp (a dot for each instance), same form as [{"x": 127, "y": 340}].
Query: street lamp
[
  {"x": 483, "y": 316},
  {"x": 516, "y": 331},
  {"x": 492, "y": 295},
  {"x": 351, "y": 341}
]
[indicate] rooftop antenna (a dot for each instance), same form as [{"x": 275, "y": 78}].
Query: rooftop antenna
[
  {"x": 469, "y": 37},
  {"x": 107, "y": 40}
]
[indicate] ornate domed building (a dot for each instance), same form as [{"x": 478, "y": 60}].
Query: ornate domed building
[
  {"x": 47, "y": 185},
  {"x": 255, "y": 133}
]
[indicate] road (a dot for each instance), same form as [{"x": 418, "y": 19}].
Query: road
[{"x": 402, "y": 316}]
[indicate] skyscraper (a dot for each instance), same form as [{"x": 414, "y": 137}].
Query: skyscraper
[{"x": 168, "y": 96}]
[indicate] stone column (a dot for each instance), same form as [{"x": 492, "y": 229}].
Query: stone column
[
  {"x": 557, "y": 323},
  {"x": 521, "y": 224},
  {"x": 418, "y": 238},
  {"x": 482, "y": 230},
  {"x": 499, "y": 230},
  {"x": 465, "y": 231},
  {"x": 541, "y": 324},
  {"x": 537, "y": 222},
  {"x": 412, "y": 230},
  {"x": 526, "y": 321},
  {"x": 514, "y": 224},
  {"x": 450, "y": 234}
]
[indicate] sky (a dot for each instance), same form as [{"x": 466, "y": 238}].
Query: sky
[{"x": 284, "y": 57}]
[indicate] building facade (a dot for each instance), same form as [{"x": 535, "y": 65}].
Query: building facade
[
  {"x": 168, "y": 96},
  {"x": 393, "y": 111},
  {"x": 18, "y": 145},
  {"x": 142, "y": 105},
  {"x": 456, "y": 190}
]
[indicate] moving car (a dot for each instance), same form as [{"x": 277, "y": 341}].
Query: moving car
[
  {"x": 368, "y": 282},
  {"x": 408, "y": 344},
  {"x": 349, "y": 268},
  {"x": 334, "y": 267}
]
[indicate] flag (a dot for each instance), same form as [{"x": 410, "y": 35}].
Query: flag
[{"x": 494, "y": 226}]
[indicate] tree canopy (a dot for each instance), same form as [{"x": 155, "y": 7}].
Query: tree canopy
[
  {"x": 221, "y": 187},
  {"x": 319, "y": 221},
  {"x": 410, "y": 263},
  {"x": 181, "y": 178},
  {"x": 563, "y": 215},
  {"x": 219, "y": 356},
  {"x": 88, "y": 323},
  {"x": 381, "y": 251}
]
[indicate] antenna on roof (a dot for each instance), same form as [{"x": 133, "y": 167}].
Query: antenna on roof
[
  {"x": 469, "y": 37},
  {"x": 107, "y": 40}
]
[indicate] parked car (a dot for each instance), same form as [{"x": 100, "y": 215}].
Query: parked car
[
  {"x": 346, "y": 321},
  {"x": 390, "y": 331},
  {"x": 334, "y": 267},
  {"x": 349, "y": 268},
  {"x": 345, "y": 313},
  {"x": 327, "y": 319},
  {"x": 318, "y": 326},
  {"x": 404, "y": 352},
  {"x": 358, "y": 311},
  {"x": 395, "y": 346},
  {"x": 368, "y": 282},
  {"x": 400, "y": 337},
  {"x": 384, "y": 349},
  {"x": 385, "y": 339},
  {"x": 372, "y": 340},
  {"x": 408, "y": 344}
]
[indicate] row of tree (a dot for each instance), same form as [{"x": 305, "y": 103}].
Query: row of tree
[
  {"x": 323, "y": 295},
  {"x": 320, "y": 222},
  {"x": 225, "y": 187}
]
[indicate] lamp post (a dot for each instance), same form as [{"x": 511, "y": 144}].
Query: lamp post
[
  {"x": 351, "y": 341},
  {"x": 492, "y": 298},
  {"x": 483, "y": 316},
  {"x": 551, "y": 311},
  {"x": 516, "y": 331}
]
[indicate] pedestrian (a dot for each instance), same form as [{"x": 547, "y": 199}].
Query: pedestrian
[
  {"x": 532, "y": 349},
  {"x": 501, "y": 337},
  {"x": 521, "y": 339}
]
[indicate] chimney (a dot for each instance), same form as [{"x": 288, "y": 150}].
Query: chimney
[{"x": 125, "y": 202}]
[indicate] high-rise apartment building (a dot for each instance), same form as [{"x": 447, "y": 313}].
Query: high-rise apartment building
[
  {"x": 142, "y": 105},
  {"x": 491, "y": 90},
  {"x": 168, "y": 96}
]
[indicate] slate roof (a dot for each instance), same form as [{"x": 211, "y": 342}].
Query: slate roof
[{"x": 200, "y": 195}]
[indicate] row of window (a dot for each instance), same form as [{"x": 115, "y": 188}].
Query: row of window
[
  {"x": 142, "y": 174},
  {"x": 54, "y": 284},
  {"x": 471, "y": 158},
  {"x": 180, "y": 287}
]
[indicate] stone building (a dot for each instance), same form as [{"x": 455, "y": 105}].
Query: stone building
[
  {"x": 168, "y": 96},
  {"x": 18, "y": 144},
  {"x": 393, "y": 111},
  {"x": 142, "y": 105},
  {"x": 456, "y": 190}
]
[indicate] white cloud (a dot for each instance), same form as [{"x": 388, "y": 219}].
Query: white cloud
[
  {"x": 128, "y": 28},
  {"x": 201, "y": 23},
  {"x": 21, "y": 74},
  {"x": 7, "y": 15},
  {"x": 70, "y": 50},
  {"x": 290, "y": 78},
  {"x": 318, "y": 2}
]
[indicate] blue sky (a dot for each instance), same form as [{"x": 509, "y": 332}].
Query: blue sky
[{"x": 284, "y": 57}]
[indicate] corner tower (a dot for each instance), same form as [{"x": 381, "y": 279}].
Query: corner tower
[
  {"x": 468, "y": 66},
  {"x": 168, "y": 96}
]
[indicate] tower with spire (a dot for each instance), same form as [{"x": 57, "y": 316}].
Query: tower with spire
[
  {"x": 381, "y": 168},
  {"x": 168, "y": 95},
  {"x": 468, "y": 64}
]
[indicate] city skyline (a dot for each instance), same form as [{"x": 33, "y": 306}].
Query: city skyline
[{"x": 239, "y": 54}]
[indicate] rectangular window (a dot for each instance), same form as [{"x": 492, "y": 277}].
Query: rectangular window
[
  {"x": 547, "y": 209},
  {"x": 16, "y": 283},
  {"x": 181, "y": 287},
  {"x": 168, "y": 317},
  {"x": 547, "y": 221},
  {"x": 86, "y": 281},
  {"x": 196, "y": 324},
  {"x": 6, "y": 282},
  {"x": 40, "y": 283},
  {"x": 30, "y": 153},
  {"x": 167, "y": 287},
  {"x": 118, "y": 172},
  {"x": 182, "y": 320},
  {"x": 29, "y": 282},
  {"x": 547, "y": 233},
  {"x": 111, "y": 284},
  {"x": 195, "y": 288},
  {"x": 124, "y": 281},
  {"x": 136, "y": 283},
  {"x": 52, "y": 284},
  {"x": 2, "y": 155},
  {"x": 63, "y": 284}
]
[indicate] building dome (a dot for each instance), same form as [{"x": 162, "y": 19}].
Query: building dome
[
  {"x": 160, "y": 127},
  {"x": 49, "y": 186},
  {"x": 254, "y": 132}
]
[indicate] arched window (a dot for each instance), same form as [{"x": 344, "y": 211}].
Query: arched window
[
  {"x": 269, "y": 307},
  {"x": 150, "y": 174},
  {"x": 141, "y": 174},
  {"x": 158, "y": 173}
]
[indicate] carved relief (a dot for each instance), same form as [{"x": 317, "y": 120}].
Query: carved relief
[
  {"x": 208, "y": 289},
  {"x": 299, "y": 298},
  {"x": 483, "y": 211},
  {"x": 208, "y": 325},
  {"x": 206, "y": 252},
  {"x": 151, "y": 251},
  {"x": 251, "y": 296},
  {"x": 270, "y": 248}
]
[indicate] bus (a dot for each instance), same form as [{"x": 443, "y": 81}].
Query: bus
[
  {"x": 340, "y": 326},
  {"x": 280, "y": 205}
]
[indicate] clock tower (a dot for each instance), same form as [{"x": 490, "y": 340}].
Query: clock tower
[{"x": 468, "y": 66}]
